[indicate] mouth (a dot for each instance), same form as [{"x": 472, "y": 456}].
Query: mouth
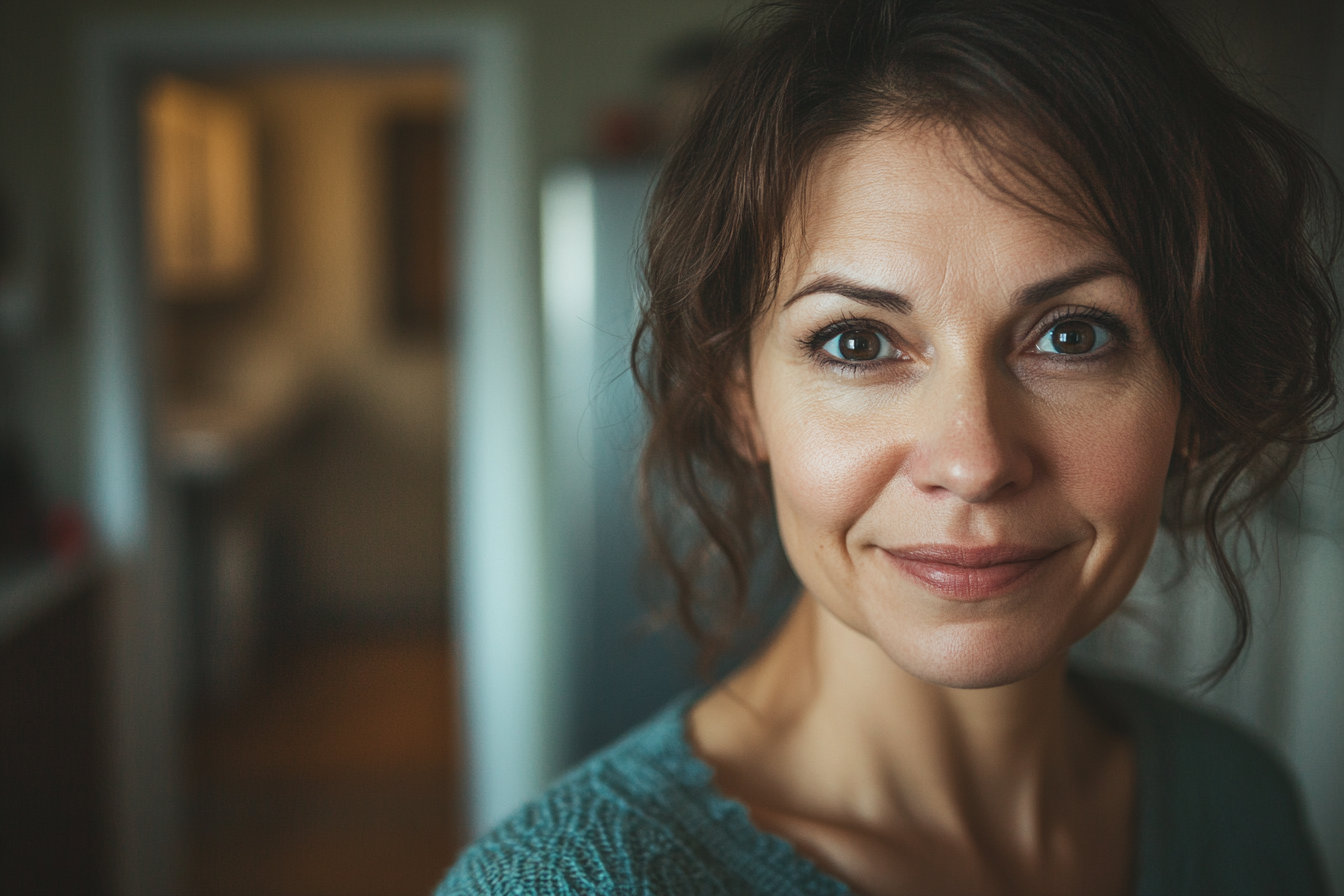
[{"x": 970, "y": 573}]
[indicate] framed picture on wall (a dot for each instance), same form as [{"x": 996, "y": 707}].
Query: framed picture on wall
[{"x": 201, "y": 190}]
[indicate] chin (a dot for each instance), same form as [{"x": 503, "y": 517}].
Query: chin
[{"x": 975, "y": 656}]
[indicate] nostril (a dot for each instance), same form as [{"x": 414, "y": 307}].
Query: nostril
[
  {"x": 976, "y": 485},
  {"x": 974, "y": 464}
]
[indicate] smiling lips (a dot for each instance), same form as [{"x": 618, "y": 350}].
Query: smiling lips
[{"x": 969, "y": 573}]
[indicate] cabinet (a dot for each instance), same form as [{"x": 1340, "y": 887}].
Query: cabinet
[{"x": 53, "y": 732}]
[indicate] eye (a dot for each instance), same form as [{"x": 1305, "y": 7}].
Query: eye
[
  {"x": 1073, "y": 337},
  {"x": 858, "y": 344}
]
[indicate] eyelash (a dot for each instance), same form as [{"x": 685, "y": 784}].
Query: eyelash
[
  {"x": 813, "y": 344},
  {"x": 1115, "y": 326}
]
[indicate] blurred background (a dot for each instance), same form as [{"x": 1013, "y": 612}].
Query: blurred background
[{"x": 317, "y": 548}]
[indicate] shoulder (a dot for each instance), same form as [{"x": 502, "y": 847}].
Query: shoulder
[
  {"x": 622, "y": 822},
  {"x": 1218, "y": 807},
  {"x": 1204, "y": 754}
]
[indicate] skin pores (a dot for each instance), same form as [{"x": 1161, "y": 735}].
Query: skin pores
[{"x": 967, "y": 421}]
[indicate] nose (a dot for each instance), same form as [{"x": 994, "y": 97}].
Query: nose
[{"x": 970, "y": 446}]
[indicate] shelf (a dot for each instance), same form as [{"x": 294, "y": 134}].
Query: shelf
[{"x": 29, "y": 592}]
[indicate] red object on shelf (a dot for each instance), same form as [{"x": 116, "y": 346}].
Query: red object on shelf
[
  {"x": 622, "y": 131},
  {"x": 67, "y": 532}
]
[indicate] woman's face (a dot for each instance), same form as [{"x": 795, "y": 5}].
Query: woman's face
[{"x": 967, "y": 420}]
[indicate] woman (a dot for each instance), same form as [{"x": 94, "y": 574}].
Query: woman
[{"x": 970, "y": 298}]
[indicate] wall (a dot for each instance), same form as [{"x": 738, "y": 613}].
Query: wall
[{"x": 327, "y": 278}]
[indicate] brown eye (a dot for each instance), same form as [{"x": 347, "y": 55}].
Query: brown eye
[
  {"x": 1073, "y": 337},
  {"x": 859, "y": 345}
]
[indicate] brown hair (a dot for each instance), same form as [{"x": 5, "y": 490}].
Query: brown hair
[{"x": 1226, "y": 216}]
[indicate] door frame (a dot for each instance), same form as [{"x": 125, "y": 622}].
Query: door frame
[{"x": 498, "y": 582}]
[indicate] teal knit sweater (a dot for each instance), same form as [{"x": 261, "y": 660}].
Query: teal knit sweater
[{"x": 1217, "y": 816}]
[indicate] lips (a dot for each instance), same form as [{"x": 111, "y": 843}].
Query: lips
[{"x": 969, "y": 573}]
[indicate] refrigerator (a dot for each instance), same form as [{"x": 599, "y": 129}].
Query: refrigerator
[{"x": 617, "y": 664}]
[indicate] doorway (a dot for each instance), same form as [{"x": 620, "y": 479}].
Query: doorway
[
  {"x": 251, "y": 536},
  {"x": 298, "y": 256}
]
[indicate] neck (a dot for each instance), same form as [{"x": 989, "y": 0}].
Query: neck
[{"x": 826, "y": 698}]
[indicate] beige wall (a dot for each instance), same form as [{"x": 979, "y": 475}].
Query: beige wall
[{"x": 321, "y": 308}]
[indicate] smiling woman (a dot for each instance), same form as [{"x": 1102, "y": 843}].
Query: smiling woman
[
  {"x": 934, "y": 399},
  {"x": 968, "y": 299}
]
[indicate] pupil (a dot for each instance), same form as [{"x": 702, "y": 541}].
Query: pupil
[
  {"x": 859, "y": 345},
  {"x": 1073, "y": 338}
]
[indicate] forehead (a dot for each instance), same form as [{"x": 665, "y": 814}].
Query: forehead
[{"x": 908, "y": 202}]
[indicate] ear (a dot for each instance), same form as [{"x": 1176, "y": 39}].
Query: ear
[{"x": 746, "y": 433}]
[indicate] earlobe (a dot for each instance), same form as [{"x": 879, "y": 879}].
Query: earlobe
[{"x": 746, "y": 434}]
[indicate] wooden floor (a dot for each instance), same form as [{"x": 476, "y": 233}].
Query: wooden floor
[{"x": 337, "y": 776}]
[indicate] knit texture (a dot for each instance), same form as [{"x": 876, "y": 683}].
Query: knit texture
[{"x": 1217, "y": 814}]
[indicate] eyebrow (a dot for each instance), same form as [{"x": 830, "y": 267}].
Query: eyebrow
[
  {"x": 1045, "y": 290},
  {"x": 867, "y": 295},
  {"x": 1032, "y": 294}
]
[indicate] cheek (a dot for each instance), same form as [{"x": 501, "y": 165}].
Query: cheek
[
  {"x": 827, "y": 466},
  {"x": 1114, "y": 471}
]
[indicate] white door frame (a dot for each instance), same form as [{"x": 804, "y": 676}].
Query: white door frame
[{"x": 497, "y": 551}]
